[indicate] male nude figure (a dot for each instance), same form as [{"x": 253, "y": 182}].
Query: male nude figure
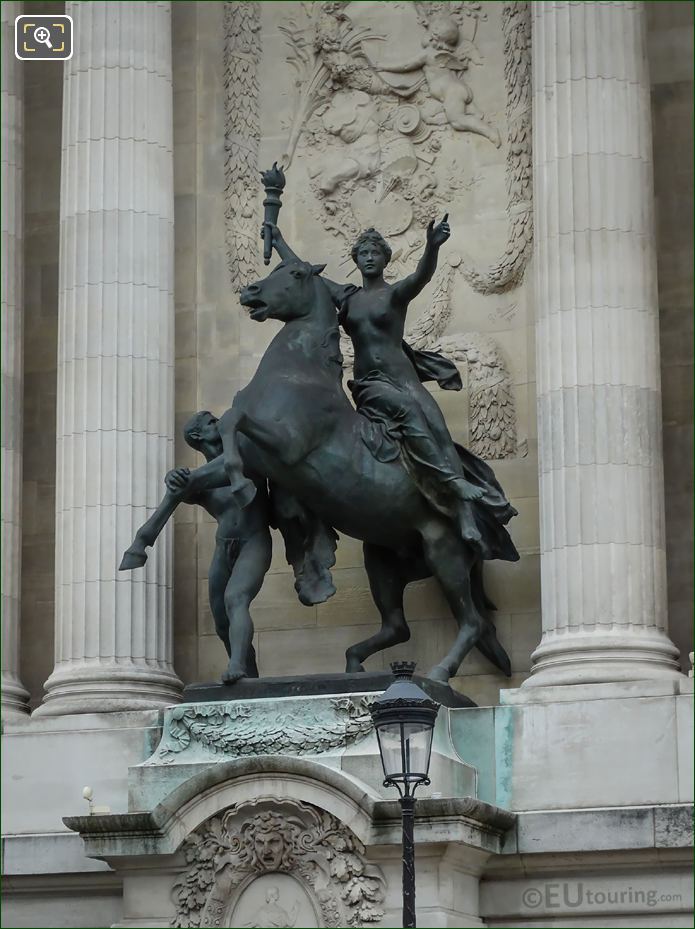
[{"x": 242, "y": 547}]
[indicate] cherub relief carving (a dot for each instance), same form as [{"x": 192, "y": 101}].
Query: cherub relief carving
[
  {"x": 352, "y": 117},
  {"x": 444, "y": 59}
]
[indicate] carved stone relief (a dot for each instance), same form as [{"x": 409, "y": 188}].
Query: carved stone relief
[
  {"x": 272, "y": 862},
  {"x": 274, "y": 900},
  {"x": 236, "y": 730},
  {"x": 372, "y": 127}
]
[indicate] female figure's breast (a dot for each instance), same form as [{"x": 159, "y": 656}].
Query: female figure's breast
[{"x": 376, "y": 329}]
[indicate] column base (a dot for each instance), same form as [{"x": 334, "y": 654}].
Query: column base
[
  {"x": 600, "y": 657},
  {"x": 108, "y": 688},
  {"x": 14, "y": 698}
]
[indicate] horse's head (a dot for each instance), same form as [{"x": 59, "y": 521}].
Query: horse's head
[{"x": 288, "y": 292}]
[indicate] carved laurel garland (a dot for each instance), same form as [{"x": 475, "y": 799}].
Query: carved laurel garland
[
  {"x": 230, "y": 850},
  {"x": 235, "y": 729},
  {"x": 242, "y": 53},
  {"x": 508, "y": 271},
  {"x": 428, "y": 327},
  {"x": 492, "y": 412}
]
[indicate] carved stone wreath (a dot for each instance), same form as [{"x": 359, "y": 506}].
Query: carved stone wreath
[
  {"x": 242, "y": 729},
  {"x": 276, "y": 837}
]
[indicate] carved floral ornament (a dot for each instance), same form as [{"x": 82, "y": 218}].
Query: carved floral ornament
[
  {"x": 279, "y": 839},
  {"x": 370, "y": 126}
]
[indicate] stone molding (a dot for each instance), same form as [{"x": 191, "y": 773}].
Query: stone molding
[
  {"x": 560, "y": 832},
  {"x": 230, "y": 783}
]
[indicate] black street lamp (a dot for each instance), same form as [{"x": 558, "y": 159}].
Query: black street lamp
[{"x": 404, "y": 718}]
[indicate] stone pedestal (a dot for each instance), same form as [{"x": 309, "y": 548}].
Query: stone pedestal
[
  {"x": 115, "y": 361},
  {"x": 335, "y": 731},
  {"x": 279, "y": 802},
  {"x": 599, "y": 397},
  {"x": 14, "y": 695}
]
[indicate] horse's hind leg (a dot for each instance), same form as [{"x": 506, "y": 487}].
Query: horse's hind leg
[
  {"x": 387, "y": 582},
  {"x": 451, "y": 562}
]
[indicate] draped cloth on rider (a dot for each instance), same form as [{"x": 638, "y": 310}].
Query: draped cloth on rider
[{"x": 396, "y": 425}]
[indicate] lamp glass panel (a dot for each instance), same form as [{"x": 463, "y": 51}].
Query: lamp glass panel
[
  {"x": 405, "y": 748},
  {"x": 417, "y": 743},
  {"x": 390, "y": 745}
]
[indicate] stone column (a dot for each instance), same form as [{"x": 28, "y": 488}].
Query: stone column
[
  {"x": 115, "y": 415},
  {"x": 14, "y": 696},
  {"x": 597, "y": 342}
]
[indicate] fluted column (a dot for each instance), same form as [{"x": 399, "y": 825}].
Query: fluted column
[
  {"x": 597, "y": 341},
  {"x": 115, "y": 360},
  {"x": 14, "y": 696}
]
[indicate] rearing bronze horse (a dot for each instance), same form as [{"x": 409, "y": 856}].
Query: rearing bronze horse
[{"x": 294, "y": 425}]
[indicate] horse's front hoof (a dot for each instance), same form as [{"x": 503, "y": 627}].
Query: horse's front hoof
[
  {"x": 132, "y": 558},
  {"x": 352, "y": 664},
  {"x": 439, "y": 673},
  {"x": 233, "y": 674}
]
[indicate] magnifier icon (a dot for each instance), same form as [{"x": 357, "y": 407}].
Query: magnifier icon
[{"x": 43, "y": 35}]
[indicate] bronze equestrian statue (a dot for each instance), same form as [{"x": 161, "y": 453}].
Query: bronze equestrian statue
[{"x": 388, "y": 473}]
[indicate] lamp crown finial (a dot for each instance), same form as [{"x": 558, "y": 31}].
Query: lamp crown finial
[{"x": 403, "y": 669}]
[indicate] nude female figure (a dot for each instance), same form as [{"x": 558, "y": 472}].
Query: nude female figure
[{"x": 388, "y": 387}]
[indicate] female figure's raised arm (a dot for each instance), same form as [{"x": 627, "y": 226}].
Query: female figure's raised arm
[
  {"x": 279, "y": 244},
  {"x": 407, "y": 289}
]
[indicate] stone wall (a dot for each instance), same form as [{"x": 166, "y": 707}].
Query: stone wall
[{"x": 671, "y": 72}]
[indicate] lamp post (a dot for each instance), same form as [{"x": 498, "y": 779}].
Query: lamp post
[{"x": 404, "y": 718}]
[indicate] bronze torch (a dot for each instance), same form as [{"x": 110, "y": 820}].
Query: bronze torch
[{"x": 274, "y": 184}]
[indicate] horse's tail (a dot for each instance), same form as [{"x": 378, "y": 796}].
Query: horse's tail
[
  {"x": 310, "y": 545},
  {"x": 483, "y": 603},
  {"x": 488, "y": 643}
]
